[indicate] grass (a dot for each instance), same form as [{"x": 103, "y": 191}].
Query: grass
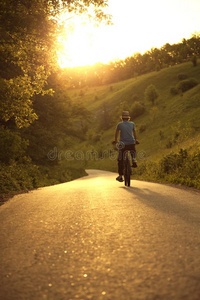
[{"x": 171, "y": 124}]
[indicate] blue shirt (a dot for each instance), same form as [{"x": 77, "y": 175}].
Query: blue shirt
[{"x": 126, "y": 132}]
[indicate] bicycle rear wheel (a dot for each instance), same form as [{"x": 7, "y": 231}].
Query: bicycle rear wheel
[{"x": 127, "y": 172}]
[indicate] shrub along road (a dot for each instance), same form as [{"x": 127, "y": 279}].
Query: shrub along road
[{"x": 93, "y": 238}]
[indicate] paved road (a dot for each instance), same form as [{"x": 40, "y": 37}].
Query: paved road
[{"x": 93, "y": 238}]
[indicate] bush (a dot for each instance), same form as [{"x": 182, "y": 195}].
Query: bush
[
  {"x": 169, "y": 144},
  {"x": 182, "y": 76},
  {"x": 137, "y": 109},
  {"x": 19, "y": 176},
  {"x": 151, "y": 94},
  {"x": 13, "y": 147},
  {"x": 147, "y": 170},
  {"x": 173, "y": 161},
  {"x": 187, "y": 84},
  {"x": 182, "y": 167},
  {"x": 135, "y": 98},
  {"x": 194, "y": 60},
  {"x": 179, "y": 168},
  {"x": 174, "y": 91}
]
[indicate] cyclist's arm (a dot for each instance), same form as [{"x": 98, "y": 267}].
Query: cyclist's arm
[
  {"x": 116, "y": 135},
  {"x": 134, "y": 134}
]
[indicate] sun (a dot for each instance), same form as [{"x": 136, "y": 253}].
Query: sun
[
  {"x": 82, "y": 43},
  {"x": 138, "y": 27}
]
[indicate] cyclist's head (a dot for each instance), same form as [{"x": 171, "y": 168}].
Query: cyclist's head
[{"x": 125, "y": 116}]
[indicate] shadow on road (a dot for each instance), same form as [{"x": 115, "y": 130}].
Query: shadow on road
[{"x": 176, "y": 204}]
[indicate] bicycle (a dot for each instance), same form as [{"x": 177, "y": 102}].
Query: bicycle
[
  {"x": 126, "y": 163},
  {"x": 126, "y": 166}
]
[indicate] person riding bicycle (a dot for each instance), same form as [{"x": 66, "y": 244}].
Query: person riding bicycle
[{"x": 126, "y": 142}]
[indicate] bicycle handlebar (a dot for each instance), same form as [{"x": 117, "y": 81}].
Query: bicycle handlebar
[{"x": 136, "y": 142}]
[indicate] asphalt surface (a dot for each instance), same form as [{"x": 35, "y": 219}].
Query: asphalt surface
[{"x": 94, "y": 238}]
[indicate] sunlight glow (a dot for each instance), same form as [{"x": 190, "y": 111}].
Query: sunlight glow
[
  {"x": 138, "y": 26},
  {"x": 83, "y": 43}
]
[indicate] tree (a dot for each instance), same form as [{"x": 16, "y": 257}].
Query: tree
[
  {"x": 151, "y": 94},
  {"x": 194, "y": 60},
  {"x": 28, "y": 40}
]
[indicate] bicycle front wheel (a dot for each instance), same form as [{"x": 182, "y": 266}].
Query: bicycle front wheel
[
  {"x": 127, "y": 180},
  {"x": 127, "y": 175}
]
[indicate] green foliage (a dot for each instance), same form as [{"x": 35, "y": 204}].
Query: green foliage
[
  {"x": 19, "y": 176},
  {"x": 135, "y": 98},
  {"x": 194, "y": 60},
  {"x": 179, "y": 168},
  {"x": 179, "y": 132},
  {"x": 173, "y": 161},
  {"x": 15, "y": 101},
  {"x": 61, "y": 173},
  {"x": 60, "y": 124},
  {"x": 187, "y": 84},
  {"x": 13, "y": 146},
  {"x": 137, "y": 109},
  {"x": 182, "y": 76},
  {"x": 151, "y": 94},
  {"x": 174, "y": 91},
  {"x": 28, "y": 51},
  {"x": 24, "y": 175},
  {"x": 182, "y": 167},
  {"x": 169, "y": 143}
]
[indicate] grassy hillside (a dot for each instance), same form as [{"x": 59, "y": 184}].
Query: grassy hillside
[{"x": 172, "y": 123}]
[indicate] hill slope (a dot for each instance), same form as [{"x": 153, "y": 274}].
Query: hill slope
[{"x": 170, "y": 124}]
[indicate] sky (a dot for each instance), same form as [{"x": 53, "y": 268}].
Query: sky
[
  {"x": 137, "y": 27},
  {"x": 143, "y": 24}
]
